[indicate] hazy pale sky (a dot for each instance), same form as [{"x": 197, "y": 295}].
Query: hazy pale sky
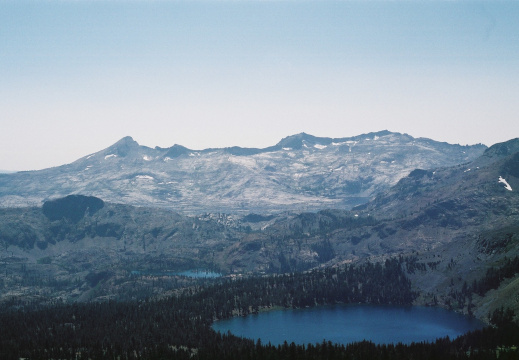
[{"x": 76, "y": 76}]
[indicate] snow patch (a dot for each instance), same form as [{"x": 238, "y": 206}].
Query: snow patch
[
  {"x": 376, "y": 138},
  {"x": 145, "y": 177},
  {"x": 467, "y": 170},
  {"x": 287, "y": 149},
  {"x": 350, "y": 143},
  {"x": 110, "y": 156},
  {"x": 89, "y": 156},
  {"x": 320, "y": 147},
  {"x": 147, "y": 158},
  {"x": 507, "y": 186}
]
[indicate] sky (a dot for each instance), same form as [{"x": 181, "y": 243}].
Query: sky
[{"x": 77, "y": 76}]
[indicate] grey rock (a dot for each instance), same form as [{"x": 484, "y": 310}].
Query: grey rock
[{"x": 300, "y": 173}]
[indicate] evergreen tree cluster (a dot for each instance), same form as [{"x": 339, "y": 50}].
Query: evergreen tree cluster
[
  {"x": 368, "y": 283},
  {"x": 495, "y": 276},
  {"x": 459, "y": 299}
]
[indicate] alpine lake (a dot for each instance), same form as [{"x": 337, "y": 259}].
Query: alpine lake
[
  {"x": 195, "y": 273},
  {"x": 344, "y": 324}
]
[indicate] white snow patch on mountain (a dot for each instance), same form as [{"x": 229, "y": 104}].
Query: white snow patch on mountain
[
  {"x": 507, "y": 186},
  {"x": 287, "y": 149},
  {"x": 147, "y": 158},
  {"x": 320, "y": 147},
  {"x": 145, "y": 177},
  {"x": 110, "y": 156},
  {"x": 89, "y": 156}
]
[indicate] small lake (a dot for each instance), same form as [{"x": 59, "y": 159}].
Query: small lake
[
  {"x": 345, "y": 324},
  {"x": 197, "y": 273}
]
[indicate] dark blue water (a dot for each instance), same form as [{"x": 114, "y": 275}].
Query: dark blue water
[
  {"x": 349, "y": 323},
  {"x": 198, "y": 273}
]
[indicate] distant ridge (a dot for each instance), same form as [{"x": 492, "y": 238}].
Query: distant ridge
[{"x": 301, "y": 172}]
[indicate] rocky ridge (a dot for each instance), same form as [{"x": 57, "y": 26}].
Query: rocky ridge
[{"x": 300, "y": 173}]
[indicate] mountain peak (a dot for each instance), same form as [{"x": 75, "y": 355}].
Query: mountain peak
[
  {"x": 176, "y": 151},
  {"x": 503, "y": 149},
  {"x": 127, "y": 140},
  {"x": 123, "y": 146},
  {"x": 499, "y": 150},
  {"x": 296, "y": 141}
]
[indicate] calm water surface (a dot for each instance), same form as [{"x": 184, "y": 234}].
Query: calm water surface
[
  {"x": 349, "y": 323},
  {"x": 197, "y": 273}
]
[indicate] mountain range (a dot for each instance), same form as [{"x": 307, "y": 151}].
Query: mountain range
[
  {"x": 451, "y": 224},
  {"x": 300, "y": 173}
]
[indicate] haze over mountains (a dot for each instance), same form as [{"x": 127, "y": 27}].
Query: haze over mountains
[{"x": 300, "y": 173}]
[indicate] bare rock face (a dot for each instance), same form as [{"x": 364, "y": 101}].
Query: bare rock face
[{"x": 300, "y": 173}]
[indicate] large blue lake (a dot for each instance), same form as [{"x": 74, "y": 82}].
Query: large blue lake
[{"x": 350, "y": 323}]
